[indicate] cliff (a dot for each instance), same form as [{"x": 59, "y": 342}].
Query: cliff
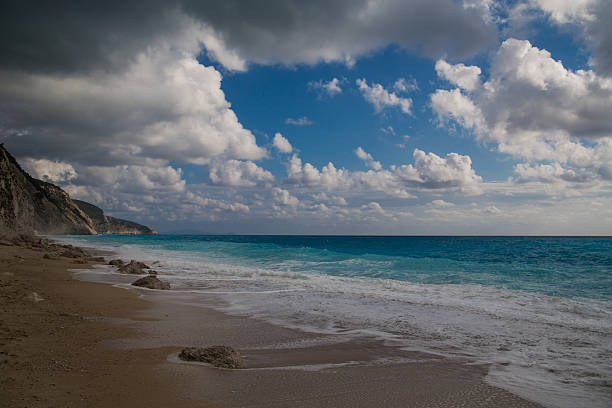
[
  {"x": 105, "y": 224},
  {"x": 31, "y": 206}
]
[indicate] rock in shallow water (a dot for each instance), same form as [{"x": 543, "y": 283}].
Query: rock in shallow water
[
  {"x": 134, "y": 267},
  {"x": 151, "y": 282},
  {"x": 219, "y": 356}
]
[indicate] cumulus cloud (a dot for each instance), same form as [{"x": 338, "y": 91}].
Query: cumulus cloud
[
  {"x": 532, "y": 107},
  {"x": 48, "y": 170},
  {"x": 238, "y": 173},
  {"x": 133, "y": 179},
  {"x": 282, "y": 144},
  {"x": 592, "y": 17},
  {"x": 165, "y": 106},
  {"x": 330, "y": 88},
  {"x": 368, "y": 159},
  {"x": 429, "y": 172},
  {"x": 303, "y": 121},
  {"x": 333, "y": 199},
  {"x": 454, "y": 105},
  {"x": 466, "y": 77},
  {"x": 380, "y": 98},
  {"x": 283, "y": 197},
  {"x": 549, "y": 173}
]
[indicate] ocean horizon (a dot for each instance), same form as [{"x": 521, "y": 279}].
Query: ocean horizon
[{"x": 537, "y": 309}]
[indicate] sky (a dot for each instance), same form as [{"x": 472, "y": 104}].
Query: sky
[{"x": 394, "y": 117}]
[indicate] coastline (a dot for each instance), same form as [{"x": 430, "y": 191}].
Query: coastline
[{"x": 92, "y": 344}]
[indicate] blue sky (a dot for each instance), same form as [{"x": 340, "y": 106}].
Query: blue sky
[{"x": 386, "y": 117}]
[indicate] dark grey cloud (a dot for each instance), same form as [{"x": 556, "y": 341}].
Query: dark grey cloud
[
  {"x": 599, "y": 35},
  {"x": 79, "y": 36},
  {"x": 298, "y": 31}
]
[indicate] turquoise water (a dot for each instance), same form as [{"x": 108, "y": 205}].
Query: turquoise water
[
  {"x": 537, "y": 309},
  {"x": 571, "y": 267}
]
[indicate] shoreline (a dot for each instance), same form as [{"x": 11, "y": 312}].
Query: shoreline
[{"x": 92, "y": 344}]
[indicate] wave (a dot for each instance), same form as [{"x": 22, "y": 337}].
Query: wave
[{"x": 551, "y": 349}]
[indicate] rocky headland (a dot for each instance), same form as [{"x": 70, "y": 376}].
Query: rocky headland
[{"x": 31, "y": 206}]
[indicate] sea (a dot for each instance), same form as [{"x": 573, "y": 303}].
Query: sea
[{"x": 537, "y": 309}]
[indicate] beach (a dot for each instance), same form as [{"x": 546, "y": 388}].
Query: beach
[{"x": 69, "y": 343}]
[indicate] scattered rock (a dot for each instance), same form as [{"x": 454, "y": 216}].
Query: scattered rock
[
  {"x": 152, "y": 272},
  {"x": 79, "y": 261},
  {"x": 151, "y": 282},
  {"x": 134, "y": 267},
  {"x": 96, "y": 259},
  {"x": 50, "y": 256},
  {"x": 5, "y": 243},
  {"x": 73, "y": 253},
  {"x": 219, "y": 356},
  {"x": 116, "y": 262}
]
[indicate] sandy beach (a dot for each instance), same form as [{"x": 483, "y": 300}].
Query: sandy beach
[{"x": 69, "y": 343}]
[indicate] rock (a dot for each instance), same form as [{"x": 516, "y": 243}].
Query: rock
[
  {"x": 134, "y": 267},
  {"x": 50, "y": 256},
  {"x": 96, "y": 259},
  {"x": 5, "y": 243},
  {"x": 73, "y": 253},
  {"x": 79, "y": 261},
  {"x": 116, "y": 262},
  {"x": 151, "y": 282},
  {"x": 219, "y": 356}
]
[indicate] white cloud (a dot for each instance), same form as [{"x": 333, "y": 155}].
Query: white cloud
[
  {"x": 564, "y": 11},
  {"x": 330, "y": 88},
  {"x": 441, "y": 204},
  {"x": 533, "y": 108},
  {"x": 133, "y": 179},
  {"x": 380, "y": 98},
  {"x": 454, "y": 105},
  {"x": 332, "y": 199},
  {"x": 47, "y": 170},
  {"x": 592, "y": 18},
  {"x": 466, "y": 77},
  {"x": 303, "y": 121},
  {"x": 284, "y": 197},
  {"x": 405, "y": 85},
  {"x": 165, "y": 105},
  {"x": 374, "y": 207},
  {"x": 549, "y": 173},
  {"x": 429, "y": 172},
  {"x": 238, "y": 173},
  {"x": 282, "y": 144},
  {"x": 368, "y": 159},
  {"x": 491, "y": 210}
]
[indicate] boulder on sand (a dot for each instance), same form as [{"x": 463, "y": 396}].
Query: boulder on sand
[
  {"x": 151, "y": 282},
  {"x": 134, "y": 267},
  {"x": 116, "y": 262},
  {"x": 73, "y": 253},
  {"x": 219, "y": 356}
]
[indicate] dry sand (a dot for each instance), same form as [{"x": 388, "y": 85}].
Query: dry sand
[{"x": 69, "y": 343}]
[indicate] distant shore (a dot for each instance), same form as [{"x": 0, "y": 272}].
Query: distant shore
[{"x": 65, "y": 342}]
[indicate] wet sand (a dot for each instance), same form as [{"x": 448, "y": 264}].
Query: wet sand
[{"x": 84, "y": 344}]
